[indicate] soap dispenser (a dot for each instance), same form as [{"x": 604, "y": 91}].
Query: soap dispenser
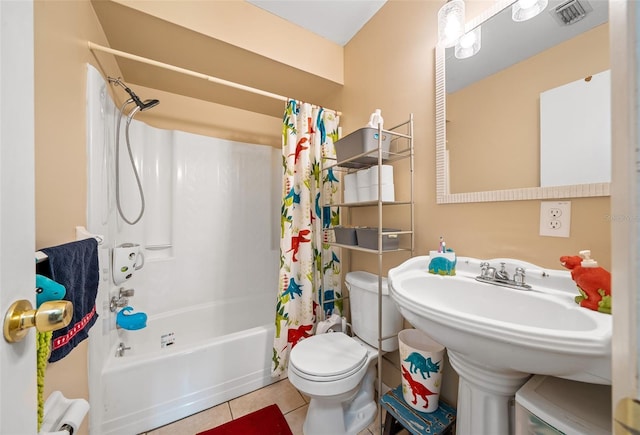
[{"x": 587, "y": 261}]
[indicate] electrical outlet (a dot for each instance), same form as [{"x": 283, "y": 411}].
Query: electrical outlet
[{"x": 555, "y": 218}]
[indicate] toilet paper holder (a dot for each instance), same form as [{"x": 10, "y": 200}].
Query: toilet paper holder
[
  {"x": 333, "y": 323},
  {"x": 62, "y": 416}
]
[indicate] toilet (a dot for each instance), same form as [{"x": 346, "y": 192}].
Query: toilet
[{"x": 338, "y": 372}]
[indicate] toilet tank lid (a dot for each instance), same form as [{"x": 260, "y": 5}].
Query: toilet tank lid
[{"x": 367, "y": 281}]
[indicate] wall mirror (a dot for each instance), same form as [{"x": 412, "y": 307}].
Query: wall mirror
[{"x": 489, "y": 116}]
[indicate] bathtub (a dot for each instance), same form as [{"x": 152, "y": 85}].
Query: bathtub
[{"x": 184, "y": 362}]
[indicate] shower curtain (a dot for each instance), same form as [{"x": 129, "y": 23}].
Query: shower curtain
[{"x": 308, "y": 135}]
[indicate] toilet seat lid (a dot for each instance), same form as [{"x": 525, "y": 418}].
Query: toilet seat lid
[{"x": 328, "y": 355}]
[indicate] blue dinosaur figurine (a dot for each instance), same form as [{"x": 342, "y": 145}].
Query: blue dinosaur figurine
[
  {"x": 131, "y": 321},
  {"x": 441, "y": 265},
  {"x": 418, "y": 362},
  {"x": 48, "y": 290}
]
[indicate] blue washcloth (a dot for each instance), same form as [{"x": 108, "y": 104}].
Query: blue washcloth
[
  {"x": 130, "y": 321},
  {"x": 75, "y": 266}
]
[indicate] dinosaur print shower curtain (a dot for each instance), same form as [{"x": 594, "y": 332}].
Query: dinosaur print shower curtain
[{"x": 308, "y": 135}]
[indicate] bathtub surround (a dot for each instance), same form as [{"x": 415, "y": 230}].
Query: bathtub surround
[
  {"x": 210, "y": 214},
  {"x": 308, "y": 135}
]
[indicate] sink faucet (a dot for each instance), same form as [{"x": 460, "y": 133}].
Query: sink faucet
[{"x": 500, "y": 277}]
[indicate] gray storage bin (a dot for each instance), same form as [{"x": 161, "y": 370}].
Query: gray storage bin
[
  {"x": 346, "y": 235},
  {"x": 368, "y": 238},
  {"x": 358, "y": 142}
]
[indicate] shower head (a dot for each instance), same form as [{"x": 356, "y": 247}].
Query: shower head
[{"x": 147, "y": 104}]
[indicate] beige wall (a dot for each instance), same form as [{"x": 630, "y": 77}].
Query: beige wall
[
  {"x": 61, "y": 32},
  {"x": 388, "y": 65}
]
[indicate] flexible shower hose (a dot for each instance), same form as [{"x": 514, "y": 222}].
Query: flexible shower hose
[{"x": 133, "y": 165}]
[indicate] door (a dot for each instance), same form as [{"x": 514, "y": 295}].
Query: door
[
  {"x": 625, "y": 215},
  {"x": 18, "y": 407}
]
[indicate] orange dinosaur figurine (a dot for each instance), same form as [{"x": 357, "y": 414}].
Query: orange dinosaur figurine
[
  {"x": 594, "y": 283},
  {"x": 417, "y": 389}
]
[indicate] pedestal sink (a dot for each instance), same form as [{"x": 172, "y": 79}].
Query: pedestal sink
[{"x": 496, "y": 337}]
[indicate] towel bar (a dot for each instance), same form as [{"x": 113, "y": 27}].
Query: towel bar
[{"x": 81, "y": 233}]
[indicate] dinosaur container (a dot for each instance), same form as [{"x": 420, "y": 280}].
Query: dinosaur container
[{"x": 421, "y": 363}]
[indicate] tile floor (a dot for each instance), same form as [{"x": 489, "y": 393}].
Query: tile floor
[{"x": 292, "y": 404}]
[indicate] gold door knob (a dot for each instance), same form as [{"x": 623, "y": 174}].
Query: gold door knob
[
  {"x": 626, "y": 416},
  {"x": 21, "y": 316}
]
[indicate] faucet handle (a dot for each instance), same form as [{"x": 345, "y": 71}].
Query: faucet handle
[
  {"x": 484, "y": 269},
  {"x": 518, "y": 277}
]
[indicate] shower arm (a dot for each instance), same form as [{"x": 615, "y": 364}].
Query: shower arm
[{"x": 132, "y": 94}]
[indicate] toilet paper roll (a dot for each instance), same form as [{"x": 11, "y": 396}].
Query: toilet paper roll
[
  {"x": 385, "y": 178},
  {"x": 63, "y": 416},
  {"x": 351, "y": 182},
  {"x": 364, "y": 194},
  {"x": 350, "y": 195},
  {"x": 74, "y": 415},
  {"x": 388, "y": 192},
  {"x": 363, "y": 178}
]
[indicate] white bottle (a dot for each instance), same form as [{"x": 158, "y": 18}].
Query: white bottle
[{"x": 375, "y": 119}]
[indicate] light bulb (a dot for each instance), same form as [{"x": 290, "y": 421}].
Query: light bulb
[
  {"x": 467, "y": 40},
  {"x": 526, "y": 4},
  {"x": 523, "y": 10},
  {"x": 469, "y": 44},
  {"x": 451, "y": 22}
]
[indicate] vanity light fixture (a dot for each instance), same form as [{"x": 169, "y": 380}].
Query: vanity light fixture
[
  {"x": 469, "y": 44},
  {"x": 523, "y": 10},
  {"x": 450, "y": 23}
]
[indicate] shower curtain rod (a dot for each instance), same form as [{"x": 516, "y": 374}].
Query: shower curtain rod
[{"x": 94, "y": 46}]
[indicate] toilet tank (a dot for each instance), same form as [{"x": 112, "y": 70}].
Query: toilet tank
[{"x": 363, "y": 297}]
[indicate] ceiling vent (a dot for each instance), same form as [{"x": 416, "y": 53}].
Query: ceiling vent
[{"x": 572, "y": 11}]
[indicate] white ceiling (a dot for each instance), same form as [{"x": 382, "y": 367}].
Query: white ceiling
[{"x": 336, "y": 20}]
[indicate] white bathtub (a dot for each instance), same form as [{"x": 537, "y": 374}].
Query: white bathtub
[{"x": 156, "y": 383}]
